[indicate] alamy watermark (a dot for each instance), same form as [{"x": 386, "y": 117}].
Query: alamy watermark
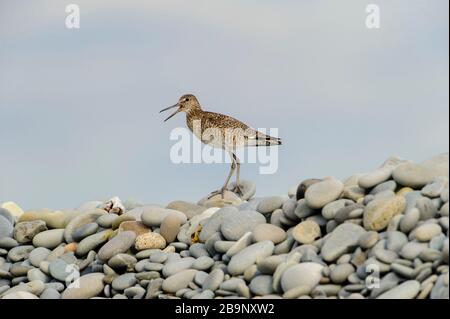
[{"x": 245, "y": 144}]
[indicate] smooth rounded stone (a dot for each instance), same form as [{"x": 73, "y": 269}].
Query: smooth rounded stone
[
  {"x": 386, "y": 186},
  {"x": 341, "y": 240},
  {"x": 213, "y": 280},
  {"x": 269, "y": 265},
  {"x": 410, "y": 220},
  {"x": 387, "y": 194},
  {"x": 354, "y": 192},
  {"x": 340, "y": 273},
  {"x": 426, "y": 232},
  {"x": 118, "y": 244},
  {"x": 324, "y": 192},
  {"x": 170, "y": 227},
  {"x": 304, "y": 185},
  {"x": 385, "y": 256},
  {"x": 261, "y": 285},
  {"x": 147, "y": 275},
  {"x": 212, "y": 225},
  {"x": 445, "y": 194},
  {"x": 106, "y": 220},
  {"x": 379, "y": 212},
  {"x": 37, "y": 274},
  {"x": 19, "y": 253},
  {"x": 34, "y": 287},
  {"x": 49, "y": 238},
  {"x": 6, "y": 227},
  {"x": 50, "y": 293},
  {"x": 37, "y": 255},
  {"x": 302, "y": 210},
  {"x": 418, "y": 175},
  {"x": 4, "y": 213},
  {"x": 158, "y": 257},
  {"x": 19, "y": 269},
  {"x": 270, "y": 232},
  {"x": 403, "y": 271},
  {"x": 24, "y": 232},
  {"x": 305, "y": 274},
  {"x": 197, "y": 250},
  {"x": 430, "y": 255},
  {"x": 269, "y": 204},
  {"x": 203, "y": 263},
  {"x": 288, "y": 208},
  {"x": 412, "y": 250},
  {"x": 124, "y": 281},
  {"x": 440, "y": 289},
  {"x": 92, "y": 242},
  {"x": 122, "y": 262},
  {"x": 150, "y": 241},
  {"x": 435, "y": 188},
  {"x": 200, "y": 277},
  {"x": 53, "y": 219},
  {"x": 427, "y": 208},
  {"x": 368, "y": 239},
  {"x": 349, "y": 212},
  {"x": 306, "y": 232},
  {"x": 236, "y": 224},
  {"x": 275, "y": 217},
  {"x": 375, "y": 177},
  {"x": 134, "y": 292},
  {"x": 189, "y": 209},
  {"x": 231, "y": 284},
  {"x": 85, "y": 287},
  {"x": 153, "y": 216},
  {"x": 222, "y": 246},
  {"x": 245, "y": 241},
  {"x": 249, "y": 256},
  {"x": 171, "y": 268},
  {"x": 153, "y": 266},
  {"x": 178, "y": 281},
  {"x": 80, "y": 220},
  {"x": 8, "y": 243},
  {"x": 123, "y": 219},
  {"x": 17, "y": 281},
  {"x": 395, "y": 241},
  {"x": 329, "y": 211},
  {"x": 60, "y": 269},
  {"x": 82, "y": 232},
  {"x": 407, "y": 290},
  {"x": 20, "y": 295}
]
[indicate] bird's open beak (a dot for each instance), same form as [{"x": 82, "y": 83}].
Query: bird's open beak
[{"x": 168, "y": 108}]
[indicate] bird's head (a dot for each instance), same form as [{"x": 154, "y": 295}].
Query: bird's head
[{"x": 187, "y": 103}]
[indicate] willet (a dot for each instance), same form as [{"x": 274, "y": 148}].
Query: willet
[{"x": 220, "y": 131}]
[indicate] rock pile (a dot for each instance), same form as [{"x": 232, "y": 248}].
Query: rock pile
[{"x": 382, "y": 234}]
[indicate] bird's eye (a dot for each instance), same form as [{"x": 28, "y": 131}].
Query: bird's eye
[{"x": 187, "y": 99}]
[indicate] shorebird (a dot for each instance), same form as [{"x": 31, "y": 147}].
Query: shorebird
[{"x": 220, "y": 131}]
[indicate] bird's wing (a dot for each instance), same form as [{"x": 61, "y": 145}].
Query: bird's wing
[{"x": 251, "y": 136}]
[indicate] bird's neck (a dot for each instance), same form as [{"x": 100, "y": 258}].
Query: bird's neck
[{"x": 193, "y": 115}]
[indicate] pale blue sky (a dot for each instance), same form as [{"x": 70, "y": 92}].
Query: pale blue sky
[{"x": 79, "y": 108}]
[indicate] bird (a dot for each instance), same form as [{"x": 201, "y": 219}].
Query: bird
[{"x": 212, "y": 128}]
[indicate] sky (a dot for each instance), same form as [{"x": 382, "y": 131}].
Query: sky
[{"x": 79, "y": 108}]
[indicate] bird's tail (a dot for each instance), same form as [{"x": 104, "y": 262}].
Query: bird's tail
[{"x": 264, "y": 140}]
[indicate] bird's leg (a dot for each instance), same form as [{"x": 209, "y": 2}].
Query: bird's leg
[
  {"x": 224, "y": 188},
  {"x": 237, "y": 189}
]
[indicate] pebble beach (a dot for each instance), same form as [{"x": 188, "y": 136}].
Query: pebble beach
[{"x": 380, "y": 234}]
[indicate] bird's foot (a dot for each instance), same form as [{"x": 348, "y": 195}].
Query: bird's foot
[
  {"x": 237, "y": 190},
  {"x": 217, "y": 192}
]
